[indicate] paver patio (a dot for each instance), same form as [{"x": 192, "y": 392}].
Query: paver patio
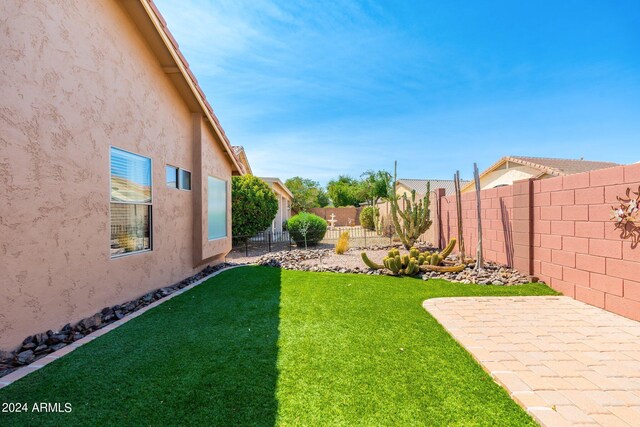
[{"x": 566, "y": 362}]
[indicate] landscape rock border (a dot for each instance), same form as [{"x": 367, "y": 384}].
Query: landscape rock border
[
  {"x": 492, "y": 273},
  {"x": 38, "y": 346}
]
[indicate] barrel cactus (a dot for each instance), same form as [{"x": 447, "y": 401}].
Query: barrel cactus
[{"x": 411, "y": 263}]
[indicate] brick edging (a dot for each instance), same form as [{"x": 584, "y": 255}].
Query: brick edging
[{"x": 38, "y": 364}]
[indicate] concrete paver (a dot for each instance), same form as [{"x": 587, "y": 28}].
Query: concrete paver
[{"x": 565, "y": 362}]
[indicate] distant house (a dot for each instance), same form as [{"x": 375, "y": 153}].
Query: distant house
[
  {"x": 420, "y": 185},
  {"x": 241, "y": 155},
  {"x": 285, "y": 197},
  {"x": 513, "y": 168}
]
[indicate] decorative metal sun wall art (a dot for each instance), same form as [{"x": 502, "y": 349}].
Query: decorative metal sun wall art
[{"x": 627, "y": 216}]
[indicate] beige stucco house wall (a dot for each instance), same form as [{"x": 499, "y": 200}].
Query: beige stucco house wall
[
  {"x": 78, "y": 78},
  {"x": 284, "y": 196},
  {"x": 506, "y": 175},
  {"x": 402, "y": 189},
  {"x": 510, "y": 169}
]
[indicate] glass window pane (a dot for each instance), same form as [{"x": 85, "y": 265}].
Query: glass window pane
[
  {"x": 130, "y": 228},
  {"x": 130, "y": 177},
  {"x": 185, "y": 179},
  {"x": 172, "y": 176},
  {"x": 217, "y": 208}
]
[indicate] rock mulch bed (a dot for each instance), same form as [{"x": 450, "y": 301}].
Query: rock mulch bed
[
  {"x": 491, "y": 274},
  {"x": 37, "y": 346},
  {"x": 327, "y": 260}
]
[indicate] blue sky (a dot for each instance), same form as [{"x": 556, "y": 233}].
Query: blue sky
[{"x": 319, "y": 89}]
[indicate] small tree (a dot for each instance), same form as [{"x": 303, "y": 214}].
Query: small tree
[
  {"x": 375, "y": 186},
  {"x": 303, "y": 229},
  {"x": 253, "y": 205}
]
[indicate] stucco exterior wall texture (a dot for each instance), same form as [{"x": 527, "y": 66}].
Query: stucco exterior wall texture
[
  {"x": 559, "y": 230},
  {"x": 77, "y": 78}
]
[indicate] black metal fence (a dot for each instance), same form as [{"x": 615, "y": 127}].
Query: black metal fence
[
  {"x": 266, "y": 241},
  {"x": 270, "y": 241}
]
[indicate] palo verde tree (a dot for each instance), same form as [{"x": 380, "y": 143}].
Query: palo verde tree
[
  {"x": 307, "y": 194},
  {"x": 345, "y": 191},
  {"x": 253, "y": 205}
]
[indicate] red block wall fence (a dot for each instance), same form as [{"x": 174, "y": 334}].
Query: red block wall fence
[{"x": 559, "y": 230}]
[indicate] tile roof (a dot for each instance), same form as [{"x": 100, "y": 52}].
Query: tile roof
[
  {"x": 563, "y": 166},
  {"x": 420, "y": 185},
  {"x": 243, "y": 160},
  {"x": 198, "y": 92},
  {"x": 548, "y": 165}
]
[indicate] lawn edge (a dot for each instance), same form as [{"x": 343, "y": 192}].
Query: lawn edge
[
  {"x": 532, "y": 411},
  {"x": 39, "y": 364}
]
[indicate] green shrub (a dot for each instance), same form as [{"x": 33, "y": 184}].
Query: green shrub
[
  {"x": 366, "y": 217},
  {"x": 253, "y": 205},
  {"x": 315, "y": 227}
]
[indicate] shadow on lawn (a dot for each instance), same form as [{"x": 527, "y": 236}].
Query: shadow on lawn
[{"x": 207, "y": 357}]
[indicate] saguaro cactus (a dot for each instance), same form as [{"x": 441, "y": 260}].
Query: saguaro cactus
[{"x": 415, "y": 215}]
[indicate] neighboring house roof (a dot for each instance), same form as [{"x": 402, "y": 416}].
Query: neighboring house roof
[
  {"x": 276, "y": 181},
  {"x": 178, "y": 66},
  {"x": 241, "y": 155},
  {"x": 420, "y": 185},
  {"x": 548, "y": 166}
]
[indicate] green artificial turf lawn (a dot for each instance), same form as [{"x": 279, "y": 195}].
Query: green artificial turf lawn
[{"x": 263, "y": 346}]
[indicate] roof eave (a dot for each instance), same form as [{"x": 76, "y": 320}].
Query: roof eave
[{"x": 160, "y": 25}]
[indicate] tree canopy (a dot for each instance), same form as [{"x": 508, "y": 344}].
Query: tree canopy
[
  {"x": 254, "y": 205},
  {"x": 307, "y": 194},
  {"x": 345, "y": 191},
  {"x": 376, "y": 185}
]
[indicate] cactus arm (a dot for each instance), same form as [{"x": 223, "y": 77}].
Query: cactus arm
[
  {"x": 370, "y": 263},
  {"x": 447, "y": 251},
  {"x": 444, "y": 269}
]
